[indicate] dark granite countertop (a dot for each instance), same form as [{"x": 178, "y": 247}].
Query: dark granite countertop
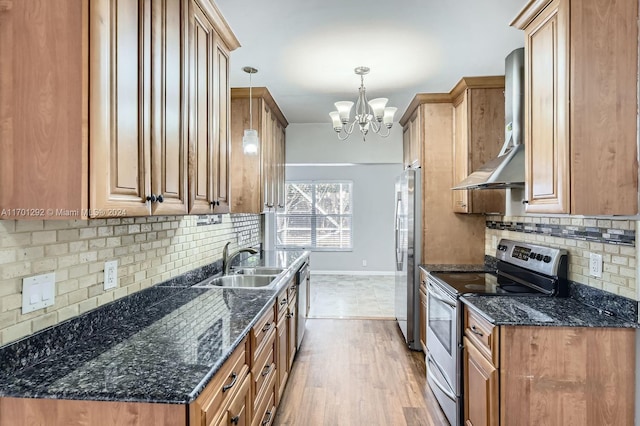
[
  {"x": 454, "y": 268},
  {"x": 542, "y": 311},
  {"x": 167, "y": 352}
]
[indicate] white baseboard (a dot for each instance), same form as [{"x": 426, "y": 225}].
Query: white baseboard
[{"x": 389, "y": 273}]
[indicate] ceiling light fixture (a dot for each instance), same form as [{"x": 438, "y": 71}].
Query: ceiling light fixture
[
  {"x": 250, "y": 140},
  {"x": 370, "y": 115}
]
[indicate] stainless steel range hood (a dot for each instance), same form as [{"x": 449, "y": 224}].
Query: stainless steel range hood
[{"x": 506, "y": 170}]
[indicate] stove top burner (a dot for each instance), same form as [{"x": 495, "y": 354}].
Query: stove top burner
[{"x": 480, "y": 283}]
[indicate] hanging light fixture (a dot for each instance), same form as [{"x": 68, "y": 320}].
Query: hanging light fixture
[
  {"x": 370, "y": 115},
  {"x": 250, "y": 140}
]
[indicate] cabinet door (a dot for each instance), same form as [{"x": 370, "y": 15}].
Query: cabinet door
[
  {"x": 119, "y": 107},
  {"x": 461, "y": 154},
  {"x": 546, "y": 111},
  {"x": 416, "y": 140},
  {"x": 169, "y": 117},
  {"x": 267, "y": 157},
  {"x": 480, "y": 388},
  {"x": 423, "y": 318},
  {"x": 221, "y": 106},
  {"x": 292, "y": 316},
  {"x": 201, "y": 138},
  {"x": 43, "y": 109},
  {"x": 406, "y": 146},
  {"x": 239, "y": 410},
  {"x": 282, "y": 351}
]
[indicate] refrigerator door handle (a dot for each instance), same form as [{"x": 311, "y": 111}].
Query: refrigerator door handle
[{"x": 399, "y": 256}]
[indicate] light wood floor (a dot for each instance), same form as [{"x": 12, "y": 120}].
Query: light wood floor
[{"x": 357, "y": 372}]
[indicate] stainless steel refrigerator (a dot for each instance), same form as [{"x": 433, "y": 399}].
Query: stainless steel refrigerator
[{"x": 408, "y": 244}]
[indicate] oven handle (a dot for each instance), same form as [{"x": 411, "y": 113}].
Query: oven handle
[
  {"x": 436, "y": 296},
  {"x": 442, "y": 387}
]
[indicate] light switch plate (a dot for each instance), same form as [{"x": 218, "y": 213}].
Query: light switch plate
[
  {"x": 595, "y": 265},
  {"x": 110, "y": 274},
  {"x": 38, "y": 292}
]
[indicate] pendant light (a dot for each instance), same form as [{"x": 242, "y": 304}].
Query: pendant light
[{"x": 250, "y": 140}]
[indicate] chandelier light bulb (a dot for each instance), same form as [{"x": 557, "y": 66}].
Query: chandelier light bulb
[
  {"x": 389, "y": 112},
  {"x": 335, "y": 118},
  {"x": 377, "y": 105},
  {"x": 369, "y": 115}
]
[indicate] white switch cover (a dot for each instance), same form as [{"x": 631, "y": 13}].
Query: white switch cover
[
  {"x": 595, "y": 265},
  {"x": 110, "y": 274},
  {"x": 38, "y": 292}
]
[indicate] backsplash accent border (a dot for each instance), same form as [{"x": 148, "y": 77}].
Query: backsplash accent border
[{"x": 601, "y": 231}]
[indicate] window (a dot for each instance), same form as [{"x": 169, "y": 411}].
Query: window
[{"x": 317, "y": 216}]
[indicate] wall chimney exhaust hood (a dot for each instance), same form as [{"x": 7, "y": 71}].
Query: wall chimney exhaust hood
[{"x": 506, "y": 170}]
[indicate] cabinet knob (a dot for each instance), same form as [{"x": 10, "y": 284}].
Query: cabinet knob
[
  {"x": 525, "y": 201},
  {"x": 151, "y": 198},
  {"x": 160, "y": 198},
  {"x": 235, "y": 420}
]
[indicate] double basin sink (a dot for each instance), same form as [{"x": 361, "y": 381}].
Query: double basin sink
[{"x": 255, "y": 277}]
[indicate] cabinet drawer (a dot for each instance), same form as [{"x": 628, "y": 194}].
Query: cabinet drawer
[
  {"x": 260, "y": 333},
  {"x": 238, "y": 412},
  {"x": 224, "y": 385},
  {"x": 265, "y": 411},
  {"x": 281, "y": 303},
  {"x": 481, "y": 333},
  {"x": 293, "y": 289},
  {"x": 264, "y": 368}
]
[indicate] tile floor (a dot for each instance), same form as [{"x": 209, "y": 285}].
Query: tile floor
[{"x": 352, "y": 296}]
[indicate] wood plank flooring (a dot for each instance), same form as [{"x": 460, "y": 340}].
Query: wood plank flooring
[{"x": 357, "y": 372}]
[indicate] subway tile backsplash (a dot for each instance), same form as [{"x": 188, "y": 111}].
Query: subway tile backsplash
[
  {"x": 613, "y": 239},
  {"x": 149, "y": 250}
]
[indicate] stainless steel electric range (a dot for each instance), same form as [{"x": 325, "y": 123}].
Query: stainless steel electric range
[{"x": 523, "y": 269}]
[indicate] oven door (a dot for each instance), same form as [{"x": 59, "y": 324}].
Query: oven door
[{"x": 442, "y": 333}]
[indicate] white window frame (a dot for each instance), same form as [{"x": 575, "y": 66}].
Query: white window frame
[{"x": 313, "y": 216}]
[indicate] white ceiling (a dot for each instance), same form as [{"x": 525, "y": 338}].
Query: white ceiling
[{"x": 306, "y": 50}]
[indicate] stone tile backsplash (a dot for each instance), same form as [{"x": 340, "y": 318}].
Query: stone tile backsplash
[
  {"x": 149, "y": 250},
  {"x": 613, "y": 239}
]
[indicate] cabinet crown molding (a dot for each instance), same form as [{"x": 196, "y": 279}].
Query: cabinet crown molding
[
  {"x": 489, "y": 82},
  {"x": 264, "y": 94},
  {"x": 529, "y": 13},
  {"x": 423, "y": 98},
  {"x": 222, "y": 27}
]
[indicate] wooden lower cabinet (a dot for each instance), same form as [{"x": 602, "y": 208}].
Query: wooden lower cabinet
[
  {"x": 239, "y": 410},
  {"x": 423, "y": 311},
  {"x": 281, "y": 351},
  {"x": 535, "y": 375},
  {"x": 480, "y": 386}
]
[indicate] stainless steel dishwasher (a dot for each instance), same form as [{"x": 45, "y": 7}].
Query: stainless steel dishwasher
[{"x": 304, "y": 282}]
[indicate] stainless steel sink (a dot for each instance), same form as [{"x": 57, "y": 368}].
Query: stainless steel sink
[
  {"x": 238, "y": 281},
  {"x": 258, "y": 270}
]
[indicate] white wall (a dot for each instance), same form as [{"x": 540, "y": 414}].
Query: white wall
[
  {"x": 318, "y": 143},
  {"x": 375, "y": 165},
  {"x": 373, "y": 215}
]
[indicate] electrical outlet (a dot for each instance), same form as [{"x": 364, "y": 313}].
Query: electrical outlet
[
  {"x": 364, "y": 262},
  {"x": 595, "y": 265},
  {"x": 110, "y": 274}
]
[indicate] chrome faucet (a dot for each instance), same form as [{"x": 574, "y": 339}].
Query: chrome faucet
[{"x": 227, "y": 258}]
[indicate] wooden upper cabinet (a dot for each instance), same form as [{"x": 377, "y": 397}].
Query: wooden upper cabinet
[
  {"x": 581, "y": 106},
  {"x": 478, "y": 136},
  {"x": 43, "y": 130},
  {"x": 201, "y": 139},
  {"x": 221, "y": 105},
  {"x": 412, "y": 141},
  {"x": 169, "y": 108},
  {"x": 120, "y": 107},
  {"x": 257, "y": 181},
  {"x": 209, "y": 120}
]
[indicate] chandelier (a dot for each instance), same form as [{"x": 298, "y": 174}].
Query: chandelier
[{"x": 370, "y": 115}]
